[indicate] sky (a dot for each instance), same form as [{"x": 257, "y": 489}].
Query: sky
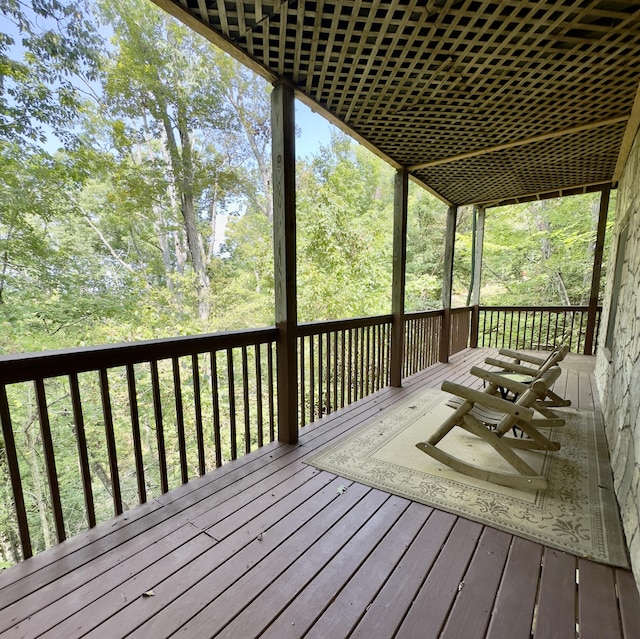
[{"x": 315, "y": 131}]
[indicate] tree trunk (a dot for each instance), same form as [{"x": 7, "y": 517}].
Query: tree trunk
[
  {"x": 182, "y": 168},
  {"x": 32, "y": 457}
]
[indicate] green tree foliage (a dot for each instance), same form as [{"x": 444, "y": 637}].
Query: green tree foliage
[
  {"x": 116, "y": 236},
  {"x": 345, "y": 217},
  {"x": 56, "y": 51},
  {"x": 541, "y": 253}
]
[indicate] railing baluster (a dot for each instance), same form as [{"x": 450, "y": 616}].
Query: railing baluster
[
  {"x": 581, "y": 333},
  {"x": 350, "y": 367},
  {"x": 405, "y": 359},
  {"x": 135, "y": 426},
  {"x": 336, "y": 401},
  {"x": 259, "y": 418},
  {"x": 312, "y": 379},
  {"x": 342, "y": 368},
  {"x": 195, "y": 371},
  {"x": 511, "y": 331},
  {"x": 157, "y": 412},
  {"x": 49, "y": 458},
  {"x": 270, "y": 390},
  {"x": 361, "y": 362},
  {"x": 320, "y": 377},
  {"x": 367, "y": 369},
  {"x": 14, "y": 474},
  {"x": 245, "y": 397},
  {"x": 303, "y": 381},
  {"x": 379, "y": 330},
  {"x": 182, "y": 447},
  {"x": 215, "y": 402},
  {"x": 232, "y": 405},
  {"x": 111, "y": 441},
  {"x": 540, "y": 329},
  {"x": 329, "y": 370},
  {"x": 85, "y": 470}
]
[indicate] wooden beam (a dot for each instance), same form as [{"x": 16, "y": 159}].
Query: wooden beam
[
  {"x": 477, "y": 276},
  {"x": 633, "y": 125},
  {"x": 284, "y": 249},
  {"x": 595, "y": 275},
  {"x": 575, "y": 189},
  {"x": 517, "y": 143},
  {"x": 447, "y": 282},
  {"x": 399, "y": 273}
]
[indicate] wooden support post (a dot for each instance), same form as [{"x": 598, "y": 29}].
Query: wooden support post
[
  {"x": 399, "y": 272},
  {"x": 477, "y": 277},
  {"x": 597, "y": 268},
  {"x": 447, "y": 282},
  {"x": 284, "y": 249}
]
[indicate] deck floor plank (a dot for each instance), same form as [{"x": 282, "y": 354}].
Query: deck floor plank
[
  {"x": 310, "y": 603},
  {"x": 471, "y": 610},
  {"x": 349, "y": 606},
  {"x": 305, "y": 516},
  {"x": 435, "y": 598},
  {"x": 168, "y": 589},
  {"x": 629, "y": 603},
  {"x": 262, "y": 610},
  {"x": 597, "y": 605},
  {"x": 268, "y": 546},
  {"x": 387, "y": 610},
  {"x": 515, "y": 602},
  {"x": 556, "y": 614}
]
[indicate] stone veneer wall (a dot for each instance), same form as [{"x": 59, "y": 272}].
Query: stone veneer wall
[{"x": 618, "y": 370}]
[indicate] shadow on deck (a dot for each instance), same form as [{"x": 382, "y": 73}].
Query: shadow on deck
[{"x": 267, "y": 546}]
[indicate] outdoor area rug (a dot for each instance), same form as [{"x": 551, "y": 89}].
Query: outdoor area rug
[{"x": 577, "y": 513}]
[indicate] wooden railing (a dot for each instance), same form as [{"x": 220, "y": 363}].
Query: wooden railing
[
  {"x": 422, "y": 340},
  {"x": 522, "y": 327},
  {"x": 460, "y": 329},
  {"x": 340, "y": 362},
  {"x": 125, "y": 423},
  {"x": 128, "y": 422}
]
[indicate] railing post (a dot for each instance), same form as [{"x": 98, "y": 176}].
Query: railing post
[
  {"x": 399, "y": 272},
  {"x": 284, "y": 249},
  {"x": 597, "y": 268},
  {"x": 447, "y": 282},
  {"x": 477, "y": 277}
]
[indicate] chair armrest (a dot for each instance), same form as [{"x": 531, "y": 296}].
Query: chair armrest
[
  {"x": 501, "y": 379},
  {"x": 524, "y": 357},
  {"x": 512, "y": 368}
]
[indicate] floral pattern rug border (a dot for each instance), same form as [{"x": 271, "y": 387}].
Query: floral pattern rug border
[{"x": 578, "y": 513}]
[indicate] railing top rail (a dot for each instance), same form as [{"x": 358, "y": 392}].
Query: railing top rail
[
  {"x": 437, "y": 312},
  {"x": 461, "y": 309},
  {"x": 568, "y": 309},
  {"x": 329, "y": 326},
  {"x": 27, "y": 366}
]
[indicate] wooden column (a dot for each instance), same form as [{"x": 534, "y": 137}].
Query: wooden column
[
  {"x": 597, "y": 269},
  {"x": 284, "y": 250},
  {"x": 477, "y": 277},
  {"x": 447, "y": 282},
  {"x": 399, "y": 272}
]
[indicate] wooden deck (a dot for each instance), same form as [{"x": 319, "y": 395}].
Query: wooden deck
[{"x": 267, "y": 547}]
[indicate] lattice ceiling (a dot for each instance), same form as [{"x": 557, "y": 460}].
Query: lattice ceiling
[{"x": 436, "y": 86}]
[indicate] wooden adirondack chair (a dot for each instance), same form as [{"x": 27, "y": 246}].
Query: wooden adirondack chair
[
  {"x": 516, "y": 371},
  {"x": 519, "y": 413}
]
